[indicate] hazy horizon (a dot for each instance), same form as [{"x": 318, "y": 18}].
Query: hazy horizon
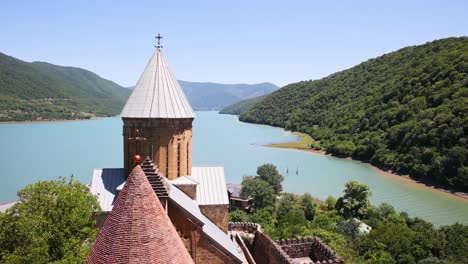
[{"x": 211, "y": 41}]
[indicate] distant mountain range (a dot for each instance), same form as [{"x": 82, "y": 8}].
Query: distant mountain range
[
  {"x": 215, "y": 96},
  {"x": 404, "y": 111},
  {"x": 43, "y": 91}
]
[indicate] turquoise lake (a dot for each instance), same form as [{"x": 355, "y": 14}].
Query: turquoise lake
[{"x": 37, "y": 151}]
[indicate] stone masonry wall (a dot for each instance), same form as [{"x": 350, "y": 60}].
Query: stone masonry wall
[
  {"x": 245, "y": 227},
  {"x": 167, "y": 141},
  {"x": 218, "y": 214},
  {"x": 266, "y": 251},
  {"x": 200, "y": 247},
  {"x": 309, "y": 247},
  {"x": 189, "y": 189}
]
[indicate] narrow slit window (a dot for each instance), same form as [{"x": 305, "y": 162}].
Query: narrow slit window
[
  {"x": 167, "y": 161},
  {"x": 152, "y": 151},
  {"x": 188, "y": 157},
  {"x": 178, "y": 160}
]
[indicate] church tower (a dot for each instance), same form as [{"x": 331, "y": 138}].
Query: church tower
[{"x": 158, "y": 120}]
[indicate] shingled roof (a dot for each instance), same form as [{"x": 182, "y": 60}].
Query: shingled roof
[
  {"x": 158, "y": 93},
  {"x": 138, "y": 229}
]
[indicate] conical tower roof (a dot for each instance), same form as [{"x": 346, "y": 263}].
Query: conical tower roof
[
  {"x": 138, "y": 229},
  {"x": 158, "y": 93}
]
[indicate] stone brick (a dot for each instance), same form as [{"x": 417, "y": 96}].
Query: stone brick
[
  {"x": 163, "y": 138},
  {"x": 218, "y": 214},
  {"x": 199, "y": 246}
]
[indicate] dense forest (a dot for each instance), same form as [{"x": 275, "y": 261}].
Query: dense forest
[
  {"x": 242, "y": 106},
  {"x": 42, "y": 91},
  {"x": 394, "y": 237},
  {"x": 404, "y": 111}
]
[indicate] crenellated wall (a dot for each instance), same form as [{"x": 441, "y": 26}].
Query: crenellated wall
[
  {"x": 265, "y": 250},
  {"x": 309, "y": 247},
  {"x": 245, "y": 227}
]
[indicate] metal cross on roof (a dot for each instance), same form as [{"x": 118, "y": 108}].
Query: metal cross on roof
[{"x": 159, "y": 37}]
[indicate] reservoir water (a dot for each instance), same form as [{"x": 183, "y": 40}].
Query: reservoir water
[{"x": 37, "y": 151}]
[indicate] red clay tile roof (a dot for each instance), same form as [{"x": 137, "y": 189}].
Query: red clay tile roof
[{"x": 138, "y": 229}]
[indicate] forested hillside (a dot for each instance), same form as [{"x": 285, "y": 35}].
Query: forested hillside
[
  {"x": 242, "y": 106},
  {"x": 405, "y": 111},
  {"x": 42, "y": 91}
]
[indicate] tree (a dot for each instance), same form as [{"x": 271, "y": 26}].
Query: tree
[
  {"x": 456, "y": 239},
  {"x": 349, "y": 228},
  {"x": 285, "y": 205},
  {"x": 260, "y": 191},
  {"x": 355, "y": 201},
  {"x": 308, "y": 205},
  {"x": 331, "y": 202},
  {"x": 270, "y": 174},
  {"x": 292, "y": 225},
  {"x": 265, "y": 218},
  {"x": 239, "y": 216},
  {"x": 385, "y": 210},
  {"x": 52, "y": 222}
]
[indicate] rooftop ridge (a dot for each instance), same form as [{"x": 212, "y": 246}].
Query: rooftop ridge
[{"x": 155, "y": 178}]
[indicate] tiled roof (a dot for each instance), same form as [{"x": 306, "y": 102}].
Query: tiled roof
[
  {"x": 138, "y": 229},
  {"x": 211, "y": 187},
  {"x": 209, "y": 228},
  {"x": 158, "y": 93},
  {"x": 105, "y": 185}
]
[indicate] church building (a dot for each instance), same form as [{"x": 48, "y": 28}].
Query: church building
[{"x": 188, "y": 205}]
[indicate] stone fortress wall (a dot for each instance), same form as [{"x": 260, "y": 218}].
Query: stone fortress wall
[{"x": 265, "y": 250}]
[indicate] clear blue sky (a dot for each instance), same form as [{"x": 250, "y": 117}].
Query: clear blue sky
[{"x": 222, "y": 41}]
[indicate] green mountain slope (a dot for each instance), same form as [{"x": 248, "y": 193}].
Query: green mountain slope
[
  {"x": 405, "y": 111},
  {"x": 215, "y": 96},
  {"x": 42, "y": 91},
  {"x": 242, "y": 106}
]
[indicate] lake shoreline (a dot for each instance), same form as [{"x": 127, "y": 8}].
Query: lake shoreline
[
  {"x": 403, "y": 178},
  {"x": 52, "y": 121}
]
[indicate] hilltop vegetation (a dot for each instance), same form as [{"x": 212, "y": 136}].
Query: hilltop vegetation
[
  {"x": 215, "y": 96},
  {"x": 43, "y": 91},
  {"x": 51, "y": 223},
  {"x": 404, "y": 111},
  {"x": 242, "y": 106},
  {"x": 395, "y": 237}
]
